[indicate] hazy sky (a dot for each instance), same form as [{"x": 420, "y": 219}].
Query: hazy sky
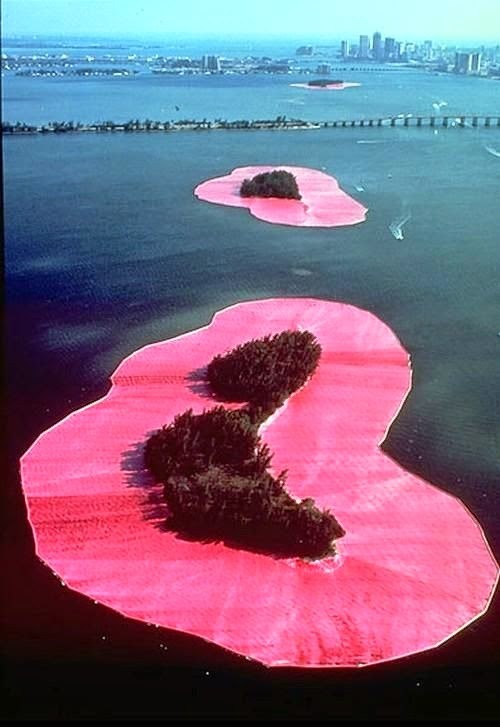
[{"x": 404, "y": 19}]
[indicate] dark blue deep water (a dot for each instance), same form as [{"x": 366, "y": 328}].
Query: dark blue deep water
[{"x": 107, "y": 249}]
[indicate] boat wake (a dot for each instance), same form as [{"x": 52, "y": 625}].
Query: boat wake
[
  {"x": 396, "y": 226},
  {"x": 492, "y": 150},
  {"x": 438, "y": 105}
]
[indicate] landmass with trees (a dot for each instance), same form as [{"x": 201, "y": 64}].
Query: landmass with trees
[
  {"x": 277, "y": 183},
  {"x": 214, "y": 466},
  {"x": 325, "y": 82}
]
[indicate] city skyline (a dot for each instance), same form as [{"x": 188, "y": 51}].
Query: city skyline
[{"x": 443, "y": 22}]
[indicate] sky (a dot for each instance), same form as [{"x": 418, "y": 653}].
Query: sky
[{"x": 439, "y": 20}]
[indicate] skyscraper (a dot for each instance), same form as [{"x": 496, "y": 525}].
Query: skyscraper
[
  {"x": 364, "y": 46},
  {"x": 389, "y": 49},
  {"x": 377, "y": 47},
  {"x": 344, "y": 49},
  {"x": 467, "y": 62},
  {"x": 210, "y": 63},
  {"x": 475, "y": 65}
]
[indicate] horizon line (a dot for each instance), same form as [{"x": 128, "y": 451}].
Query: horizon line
[{"x": 230, "y": 35}]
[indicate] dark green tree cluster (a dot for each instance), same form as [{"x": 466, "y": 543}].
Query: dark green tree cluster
[
  {"x": 324, "y": 82},
  {"x": 194, "y": 442},
  {"x": 265, "y": 371},
  {"x": 255, "y": 511},
  {"x": 278, "y": 183},
  {"x": 214, "y": 465}
]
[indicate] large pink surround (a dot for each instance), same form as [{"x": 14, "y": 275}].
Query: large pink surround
[
  {"x": 412, "y": 570},
  {"x": 328, "y": 87},
  {"x": 323, "y": 203}
]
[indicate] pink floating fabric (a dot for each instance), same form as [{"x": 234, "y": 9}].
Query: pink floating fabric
[
  {"x": 328, "y": 87},
  {"x": 413, "y": 569},
  {"x": 323, "y": 203}
]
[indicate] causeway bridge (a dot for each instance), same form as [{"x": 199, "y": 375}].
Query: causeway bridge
[
  {"x": 279, "y": 123},
  {"x": 411, "y": 120}
]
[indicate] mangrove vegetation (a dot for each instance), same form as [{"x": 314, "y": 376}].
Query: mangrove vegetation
[{"x": 214, "y": 466}]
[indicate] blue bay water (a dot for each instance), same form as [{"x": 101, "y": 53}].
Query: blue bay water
[
  {"x": 147, "y": 95},
  {"x": 107, "y": 233}
]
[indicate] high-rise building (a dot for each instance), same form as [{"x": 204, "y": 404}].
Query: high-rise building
[
  {"x": 210, "y": 63},
  {"x": 475, "y": 62},
  {"x": 377, "y": 53},
  {"x": 344, "y": 49},
  {"x": 364, "y": 46},
  {"x": 467, "y": 62},
  {"x": 462, "y": 62},
  {"x": 428, "y": 53},
  {"x": 410, "y": 51},
  {"x": 324, "y": 69},
  {"x": 389, "y": 49}
]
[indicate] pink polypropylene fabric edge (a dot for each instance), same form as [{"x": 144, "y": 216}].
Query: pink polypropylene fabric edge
[
  {"x": 402, "y": 581},
  {"x": 323, "y": 203}
]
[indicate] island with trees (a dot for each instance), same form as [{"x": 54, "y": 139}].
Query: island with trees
[
  {"x": 322, "y": 202},
  {"x": 214, "y": 466},
  {"x": 391, "y": 591},
  {"x": 325, "y": 82},
  {"x": 276, "y": 183}
]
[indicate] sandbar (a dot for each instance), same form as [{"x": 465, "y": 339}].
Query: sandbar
[
  {"x": 323, "y": 203},
  {"x": 413, "y": 569}
]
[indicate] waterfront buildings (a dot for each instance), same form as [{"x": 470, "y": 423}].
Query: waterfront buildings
[
  {"x": 210, "y": 63},
  {"x": 377, "y": 53},
  {"x": 467, "y": 62},
  {"x": 364, "y": 46},
  {"x": 389, "y": 49},
  {"x": 344, "y": 49}
]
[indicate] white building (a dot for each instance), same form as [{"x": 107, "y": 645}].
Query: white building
[{"x": 364, "y": 46}]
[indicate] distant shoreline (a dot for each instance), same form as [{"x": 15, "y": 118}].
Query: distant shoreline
[{"x": 69, "y": 127}]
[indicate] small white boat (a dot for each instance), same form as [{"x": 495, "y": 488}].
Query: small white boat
[
  {"x": 493, "y": 151},
  {"x": 396, "y": 227}
]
